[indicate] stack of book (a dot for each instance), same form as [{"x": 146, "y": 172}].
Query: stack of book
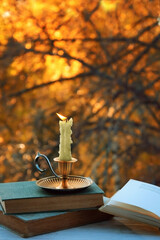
[{"x": 29, "y": 210}]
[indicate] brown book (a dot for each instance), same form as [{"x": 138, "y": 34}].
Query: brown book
[
  {"x": 31, "y": 224},
  {"x": 23, "y": 197}
]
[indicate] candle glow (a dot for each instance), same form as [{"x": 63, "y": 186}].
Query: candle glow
[{"x": 63, "y": 118}]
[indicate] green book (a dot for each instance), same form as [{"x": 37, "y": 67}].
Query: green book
[
  {"x": 31, "y": 224},
  {"x": 26, "y": 196}
]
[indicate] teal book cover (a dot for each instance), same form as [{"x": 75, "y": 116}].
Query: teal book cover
[{"x": 29, "y": 189}]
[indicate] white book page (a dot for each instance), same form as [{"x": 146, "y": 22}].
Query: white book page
[
  {"x": 135, "y": 209},
  {"x": 122, "y": 212},
  {"x": 139, "y": 194}
]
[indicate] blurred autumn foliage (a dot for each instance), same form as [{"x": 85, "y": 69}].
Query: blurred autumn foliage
[{"x": 97, "y": 61}]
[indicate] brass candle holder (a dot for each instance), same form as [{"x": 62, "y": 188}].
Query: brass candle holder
[
  {"x": 65, "y": 168},
  {"x": 63, "y": 181}
]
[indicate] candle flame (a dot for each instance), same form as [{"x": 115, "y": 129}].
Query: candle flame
[{"x": 61, "y": 117}]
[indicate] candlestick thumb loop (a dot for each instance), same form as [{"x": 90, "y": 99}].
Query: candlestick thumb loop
[{"x": 36, "y": 161}]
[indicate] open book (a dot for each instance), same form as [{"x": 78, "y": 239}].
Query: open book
[{"x": 136, "y": 200}]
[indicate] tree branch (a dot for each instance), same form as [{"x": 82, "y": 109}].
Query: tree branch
[{"x": 26, "y": 90}]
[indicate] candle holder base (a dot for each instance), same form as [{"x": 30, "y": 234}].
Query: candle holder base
[{"x": 73, "y": 183}]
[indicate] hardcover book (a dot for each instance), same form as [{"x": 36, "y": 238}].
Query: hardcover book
[
  {"x": 30, "y": 224},
  {"x": 26, "y": 196},
  {"x": 136, "y": 200}
]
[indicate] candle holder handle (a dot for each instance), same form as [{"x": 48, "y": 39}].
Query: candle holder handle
[{"x": 47, "y": 161}]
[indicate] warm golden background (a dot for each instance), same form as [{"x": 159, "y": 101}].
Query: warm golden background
[{"x": 97, "y": 61}]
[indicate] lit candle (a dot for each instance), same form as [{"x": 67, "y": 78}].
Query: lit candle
[{"x": 65, "y": 138}]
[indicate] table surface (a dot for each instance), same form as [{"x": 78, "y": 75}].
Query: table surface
[{"x": 112, "y": 229}]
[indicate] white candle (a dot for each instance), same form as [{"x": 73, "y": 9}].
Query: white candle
[{"x": 65, "y": 138}]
